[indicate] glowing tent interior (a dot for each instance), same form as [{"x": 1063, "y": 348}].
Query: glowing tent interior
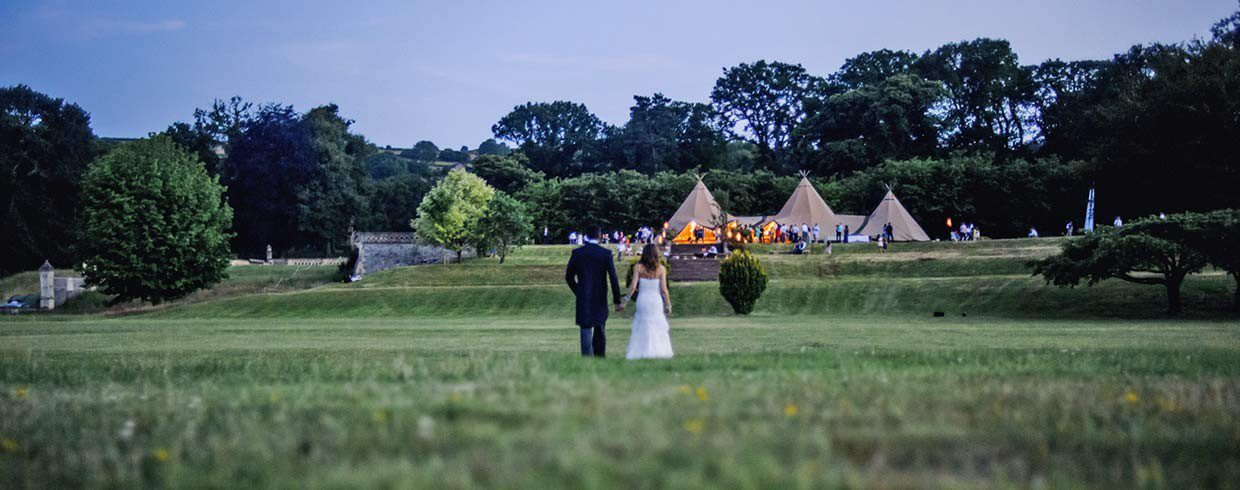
[{"x": 699, "y": 210}]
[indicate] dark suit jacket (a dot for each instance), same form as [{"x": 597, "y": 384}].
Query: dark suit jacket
[{"x": 587, "y": 275}]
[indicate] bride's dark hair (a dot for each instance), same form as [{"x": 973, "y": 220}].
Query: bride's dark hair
[{"x": 650, "y": 258}]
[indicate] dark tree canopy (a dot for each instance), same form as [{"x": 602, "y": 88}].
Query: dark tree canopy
[
  {"x": 663, "y": 134},
  {"x": 554, "y": 135},
  {"x": 454, "y": 156},
  {"x": 506, "y": 173},
  {"x": 762, "y": 102},
  {"x": 422, "y": 151},
  {"x": 334, "y": 198},
  {"x": 492, "y": 147},
  {"x": 873, "y": 67},
  {"x": 987, "y": 94},
  {"x": 270, "y": 162},
  {"x": 860, "y": 128},
  {"x": 45, "y": 146},
  {"x": 1149, "y": 251}
]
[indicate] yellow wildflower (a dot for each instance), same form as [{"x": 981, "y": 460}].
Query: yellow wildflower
[
  {"x": 275, "y": 397},
  {"x": 9, "y": 446},
  {"x": 21, "y": 392},
  {"x": 685, "y": 390},
  {"x": 161, "y": 455},
  {"x": 695, "y": 426},
  {"x": 379, "y": 416},
  {"x": 1131, "y": 397},
  {"x": 1168, "y": 405},
  {"x": 702, "y": 394},
  {"x": 791, "y": 410}
]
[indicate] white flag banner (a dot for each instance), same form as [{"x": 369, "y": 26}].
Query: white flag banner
[{"x": 1089, "y": 211}]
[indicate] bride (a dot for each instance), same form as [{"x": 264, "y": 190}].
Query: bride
[{"x": 650, "y": 329}]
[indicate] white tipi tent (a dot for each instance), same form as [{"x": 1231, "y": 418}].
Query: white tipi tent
[{"x": 904, "y": 227}]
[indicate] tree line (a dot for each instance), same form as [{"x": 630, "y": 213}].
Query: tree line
[{"x": 962, "y": 130}]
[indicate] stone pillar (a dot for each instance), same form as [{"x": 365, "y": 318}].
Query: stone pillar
[
  {"x": 47, "y": 286},
  {"x": 269, "y": 253}
]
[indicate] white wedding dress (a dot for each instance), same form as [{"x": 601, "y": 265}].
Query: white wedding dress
[{"x": 650, "y": 338}]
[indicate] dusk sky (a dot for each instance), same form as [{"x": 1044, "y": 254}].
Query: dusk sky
[{"x": 446, "y": 71}]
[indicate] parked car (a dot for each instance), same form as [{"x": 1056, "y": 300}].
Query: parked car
[{"x": 21, "y": 302}]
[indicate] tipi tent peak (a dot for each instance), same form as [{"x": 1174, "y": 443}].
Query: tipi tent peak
[{"x": 805, "y": 205}]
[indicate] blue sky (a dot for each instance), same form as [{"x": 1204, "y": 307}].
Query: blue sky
[{"x": 445, "y": 71}]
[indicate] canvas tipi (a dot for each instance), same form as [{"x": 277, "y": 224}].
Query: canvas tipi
[
  {"x": 806, "y": 206},
  {"x": 904, "y": 227},
  {"x": 698, "y": 210}
]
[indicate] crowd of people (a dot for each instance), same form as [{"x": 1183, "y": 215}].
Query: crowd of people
[
  {"x": 968, "y": 232},
  {"x": 801, "y": 237}
]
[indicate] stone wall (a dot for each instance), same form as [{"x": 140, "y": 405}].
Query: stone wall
[{"x": 378, "y": 251}]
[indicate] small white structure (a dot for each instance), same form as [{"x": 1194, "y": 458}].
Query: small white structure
[{"x": 47, "y": 286}]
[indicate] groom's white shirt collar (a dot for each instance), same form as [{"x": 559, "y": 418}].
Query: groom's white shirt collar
[{"x": 592, "y": 240}]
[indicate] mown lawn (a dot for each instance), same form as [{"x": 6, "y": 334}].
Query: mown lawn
[{"x": 774, "y": 401}]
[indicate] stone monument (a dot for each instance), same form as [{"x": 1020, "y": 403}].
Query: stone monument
[{"x": 47, "y": 286}]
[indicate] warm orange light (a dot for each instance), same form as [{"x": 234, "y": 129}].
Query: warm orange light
[{"x": 949, "y": 222}]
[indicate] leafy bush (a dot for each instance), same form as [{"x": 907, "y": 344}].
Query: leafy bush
[{"x": 742, "y": 280}]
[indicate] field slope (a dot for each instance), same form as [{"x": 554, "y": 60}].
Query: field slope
[{"x": 464, "y": 376}]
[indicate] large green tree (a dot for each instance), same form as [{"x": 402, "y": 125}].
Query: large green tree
[
  {"x": 448, "y": 215},
  {"x": 988, "y": 94},
  {"x": 1148, "y": 251},
  {"x": 154, "y": 223},
  {"x": 394, "y": 203},
  {"x": 45, "y": 146},
  {"x": 504, "y": 227},
  {"x": 509, "y": 173},
  {"x": 763, "y": 102},
  {"x": 556, "y": 136},
  {"x": 1215, "y": 234},
  {"x": 335, "y": 196},
  {"x": 664, "y": 134},
  {"x": 856, "y": 129},
  {"x": 1164, "y": 130}
]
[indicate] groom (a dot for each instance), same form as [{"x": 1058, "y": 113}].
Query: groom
[{"x": 587, "y": 275}]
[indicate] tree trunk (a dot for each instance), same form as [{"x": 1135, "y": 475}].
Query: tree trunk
[
  {"x": 459, "y": 252},
  {"x": 1236, "y": 304},
  {"x": 1174, "y": 304}
]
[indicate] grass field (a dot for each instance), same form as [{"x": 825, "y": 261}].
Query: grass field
[{"x": 464, "y": 376}]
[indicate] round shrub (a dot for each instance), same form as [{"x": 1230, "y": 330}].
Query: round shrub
[
  {"x": 742, "y": 279},
  {"x": 154, "y": 222}
]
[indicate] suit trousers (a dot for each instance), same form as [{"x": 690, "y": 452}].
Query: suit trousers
[{"x": 593, "y": 341}]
